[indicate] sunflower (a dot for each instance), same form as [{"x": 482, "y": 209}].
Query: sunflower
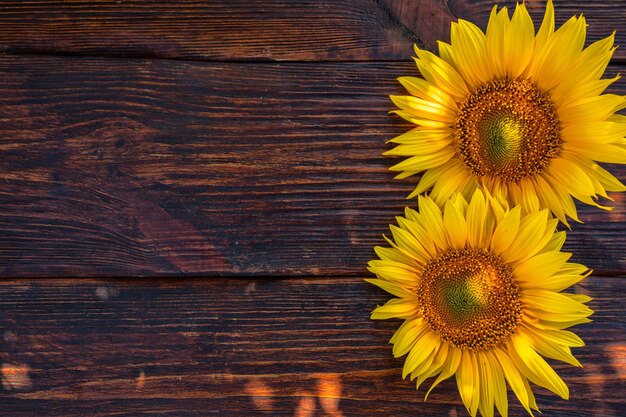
[
  {"x": 520, "y": 114},
  {"x": 479, "y": 289}
]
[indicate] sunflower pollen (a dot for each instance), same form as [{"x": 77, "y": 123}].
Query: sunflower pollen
[
  {"x": 470, "y": 298},
  {"x": 508, "y": 129}
]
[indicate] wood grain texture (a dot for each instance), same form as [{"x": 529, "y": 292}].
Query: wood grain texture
[
  {"x": 118, "y": 167},
  {"x": 428, "y": 19},
  {"x": 225, "y": 347},
  {"x": 207, "y": 30},
  {"x": 144, "y": 163},
  {"x": 262, "y": 30}
]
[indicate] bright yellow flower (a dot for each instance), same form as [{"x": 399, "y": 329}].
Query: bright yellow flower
[
  {"x": 520, "y": 114},
  {"x": 479, "y": 289}
]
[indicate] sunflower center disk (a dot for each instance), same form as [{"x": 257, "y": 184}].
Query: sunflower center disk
[
  {"x": 470, "y": 298},
  {"x": 508, "y": 129}
]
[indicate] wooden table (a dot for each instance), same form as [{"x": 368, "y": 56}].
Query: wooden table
[{"x": 189, "y": 194}]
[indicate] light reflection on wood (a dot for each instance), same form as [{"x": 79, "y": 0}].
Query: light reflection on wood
[
  {"x": 141, "y": 380},
  {"x": 15, "y": 377},
  {"x": 261, "y": 395},
  {"x": 617, "y": 356},
  {"x": 329, "y": 393},
  {"x": 306, "y": 405}
]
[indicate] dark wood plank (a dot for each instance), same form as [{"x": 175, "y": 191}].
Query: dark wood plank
[
  {"x": 207, "y": 30},
  {"x": 117, "y": 167},
  {"x": 249, "y": 347},
  {"x": 429, "y": 20},
  {"x": 260, "y": 30}
]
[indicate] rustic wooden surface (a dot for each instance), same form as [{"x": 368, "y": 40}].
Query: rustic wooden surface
[
  {"x": 135, "y": 167},
  {"x": 247, "y": 30},
  {"x": 160, "y": 139},
  {"x": 286, "y": 347}
]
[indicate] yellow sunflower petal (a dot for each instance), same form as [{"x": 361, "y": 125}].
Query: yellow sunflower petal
[
  {"x": 405, "y": 174},
  {"x": 571, "y": 175},
  {"x": 592, "y": 109},
  {"x": 417, "y": 135},
  {"x": 476, "y": 221},
  {"x": 469, "y": 53},
  {"x": 394, "y": 272},
  {"x": 564, "y": 324},
  {"x": 540, "y": 267},
  {"x": 396, "y": 256},
  {"x": 540, "y": 372},
  {"x": 447, "y": 186},
  {"x": 531, "y": 396},
  {"x": 559, "y": 282},
  {"x": 423, "y": 148},
  {"x": 566, "y": 203},
  {"x": 432, "y": 220},
  {"x": 574, "y": 268},
  {"x": 602, "y": 153},
  {"x": 547, "y": 25},
  {"x": 487, "y": 388},
  {"x": 551, "y": 306},
  {"x": 602, "y": 180},
  {"x": 436, "y": 366},
  {"x": 424, "y": 346},
  {"x": 440, "y": 73},
  {"x": 468, "y": 381},
  {"x": 425, "y": 365},
  {"x": 420, "y": 121},
  {"x": 419, "y": 260},
  {"x": 412, "y": 215},
  {"x": 583, "y": 92},
  {"x": 499, "y": 385},
  {"x": 431, "y": 177},
  {"x": 556, "y": 56},
  {"x": 422, "y": 162},
  {"x": 596, "y": 133},
  {"x": 529, "y": 237},
  {"x": 608, "y": 181},
  {"x": 549, "y": 349},
  {"x": 527, "y": 198},
  {"x": 420, "y": 234},
  {"x": 424, "y": 109},
  {"x": 455, "y": 226},
  {"x": 514, "y": 378},
  {"x": 407, "y": 336},
  {"x": 581, "y": 298},
  {"x": 495, "y": 40},
  {"x": 589, "y": 67},
  {"x": 449, "y": 369},
  {"x": 521, "y": 32},
  {"x": 395, "y": 308},
  {"x": 428, "y": 91},
  {"x": 401, "y": 329},
  {"x": 549, "y": 198},
  {"x": 408, "y": 242},
  {"x": 556, "y": 243},
  {"x": 390, "y": 287},
  {"x": 563, "y": 337},
  {"x": 506, "y": 230}
]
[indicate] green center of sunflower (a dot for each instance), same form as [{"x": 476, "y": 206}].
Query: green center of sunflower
[
  {"x": 470, "y": 298},
  {"x": 508, "y": 129}
]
